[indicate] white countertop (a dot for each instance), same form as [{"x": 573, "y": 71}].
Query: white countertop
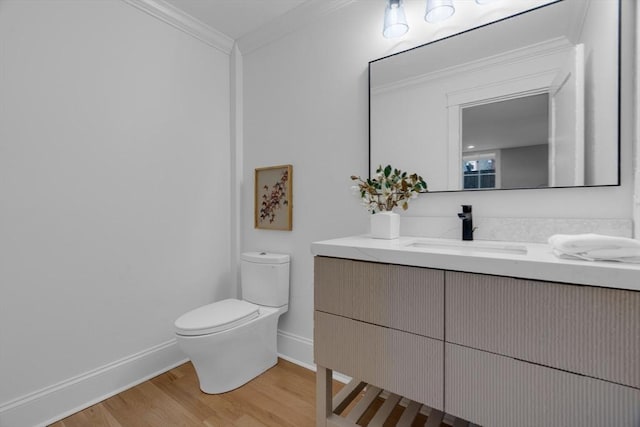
[{"x": 483, "y": 257}]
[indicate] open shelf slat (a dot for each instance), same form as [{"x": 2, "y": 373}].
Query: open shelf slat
[
  {"x": 385, "y": 410},
  {"x": 358, "y": 402}
]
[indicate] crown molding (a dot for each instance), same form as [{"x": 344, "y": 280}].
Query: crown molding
[
  {"x": 526, "y": 53},
  {"x": 188, "y": 24},
  {"x": 285, "y": 24}
]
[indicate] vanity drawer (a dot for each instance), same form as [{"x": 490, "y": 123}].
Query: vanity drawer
[
  {"x": 399, "y": 297},
  {"x": 588, "y": 330},
  {"x": 403, "y": 363},
  {"x": 499, "y": 391}
]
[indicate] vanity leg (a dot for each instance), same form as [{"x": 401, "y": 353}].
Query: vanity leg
[{"x": 324, "y": 395}]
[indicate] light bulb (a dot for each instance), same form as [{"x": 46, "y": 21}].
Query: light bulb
[
  {"x": 395, "y": 20},
  {"x": 439, "y": 10}
]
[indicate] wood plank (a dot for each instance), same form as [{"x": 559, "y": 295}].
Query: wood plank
[
  {"x": 435, "y": 418},
  {"x": 409, "y": 414},
  {"x": 370, "y": 395},
  {"x": 95, "y": 416},
  {"x": 260, "y": 404},
  {"x": 459, "y": 422},
  {"x": 385, "y": 410},
  {"x": 338, "y": 421},
  {"x": 247, "y": 421},
  {"x": 346, "y": 395}
]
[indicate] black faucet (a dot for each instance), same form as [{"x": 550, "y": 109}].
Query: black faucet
[{"x": 467, "y": 222}]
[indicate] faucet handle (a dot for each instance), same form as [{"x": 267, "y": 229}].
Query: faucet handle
[{"x": 466, "y": 208}]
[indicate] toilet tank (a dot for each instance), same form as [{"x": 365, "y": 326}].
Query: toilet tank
[{"x": 264, "y": 278}]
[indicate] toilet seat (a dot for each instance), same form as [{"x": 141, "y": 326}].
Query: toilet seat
[{"x": 216, "y": 317}]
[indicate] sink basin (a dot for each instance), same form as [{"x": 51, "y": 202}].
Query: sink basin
[{"x": 470, "y": 246}]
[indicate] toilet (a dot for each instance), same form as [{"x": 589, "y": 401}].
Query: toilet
[{"x": 232, "y": 341}]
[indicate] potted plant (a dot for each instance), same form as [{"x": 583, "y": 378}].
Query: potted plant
[{"x": 388, "y": 189}]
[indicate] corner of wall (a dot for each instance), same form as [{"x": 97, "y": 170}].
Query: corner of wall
[{"x": 236, "y": 145}]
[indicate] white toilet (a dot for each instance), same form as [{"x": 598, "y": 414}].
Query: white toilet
[{"x": 232, "y": 341}]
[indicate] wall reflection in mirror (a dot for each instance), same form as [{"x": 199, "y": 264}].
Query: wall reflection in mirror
[{"x": 531, "y": 101}]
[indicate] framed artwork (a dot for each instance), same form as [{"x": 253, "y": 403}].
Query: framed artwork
[{"x": 273, "y": 206}]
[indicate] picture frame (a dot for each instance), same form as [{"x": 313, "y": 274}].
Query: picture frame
[{"x": 273, "y": 207}]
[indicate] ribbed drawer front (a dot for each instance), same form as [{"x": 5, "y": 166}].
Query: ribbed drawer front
[
  {"x": 588, "y": 330},
  {"x": 498, "y": 391},
  {"x": 403, "y": 363},
  {"x": 400, "y": 297}
]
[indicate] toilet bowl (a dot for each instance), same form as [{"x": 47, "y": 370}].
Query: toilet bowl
[{"x": 232, "y": 341}]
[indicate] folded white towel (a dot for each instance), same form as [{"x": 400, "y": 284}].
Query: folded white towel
[
  {"x": 585, "y": 257},
  {"x": 613, "y": 253},
  {"x": 581, "y": 243}
]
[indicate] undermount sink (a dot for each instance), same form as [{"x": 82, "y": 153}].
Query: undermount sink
[{"x": 470, "y": 246}]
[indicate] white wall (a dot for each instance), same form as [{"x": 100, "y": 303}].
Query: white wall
[
  {"x": 114, "y": 187},
  {"x": 305, "y": 103}
]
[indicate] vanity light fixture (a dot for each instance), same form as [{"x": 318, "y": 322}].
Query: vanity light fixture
[
  {"x": 439, "y": 10},
  {"x": 395, "y": 20}
]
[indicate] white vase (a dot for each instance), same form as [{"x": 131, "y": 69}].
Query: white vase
[{"x": 385, "y": 225}]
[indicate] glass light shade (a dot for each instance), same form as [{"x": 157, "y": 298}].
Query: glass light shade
[
  {"x": 439, "y": 10},
  {"x": 395, "y": 20}
]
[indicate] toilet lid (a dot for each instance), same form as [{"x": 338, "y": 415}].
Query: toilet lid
[{"x": 216, "y": 317}]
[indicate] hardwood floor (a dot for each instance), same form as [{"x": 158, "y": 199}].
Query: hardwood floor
[{"x": 284, "y": 396}]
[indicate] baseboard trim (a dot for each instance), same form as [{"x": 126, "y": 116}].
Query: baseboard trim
[
  {"x": 299, "y": 350},
  {"x": 296, "y": 349},
  {"x": 55, "y": 402}
]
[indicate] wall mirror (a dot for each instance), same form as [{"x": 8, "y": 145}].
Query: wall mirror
[{"x": 530, "y": 101}]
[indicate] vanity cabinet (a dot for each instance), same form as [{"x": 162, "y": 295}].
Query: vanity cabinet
[{"x": 493, "y": 350}]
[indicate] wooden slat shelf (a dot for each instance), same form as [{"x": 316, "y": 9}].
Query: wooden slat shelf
[{"x": 359, "y": 404}]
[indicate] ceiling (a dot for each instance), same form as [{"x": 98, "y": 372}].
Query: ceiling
[{"x": 235, "y": 18}]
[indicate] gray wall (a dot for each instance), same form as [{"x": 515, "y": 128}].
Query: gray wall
[{"x": 525, "y": 167}]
